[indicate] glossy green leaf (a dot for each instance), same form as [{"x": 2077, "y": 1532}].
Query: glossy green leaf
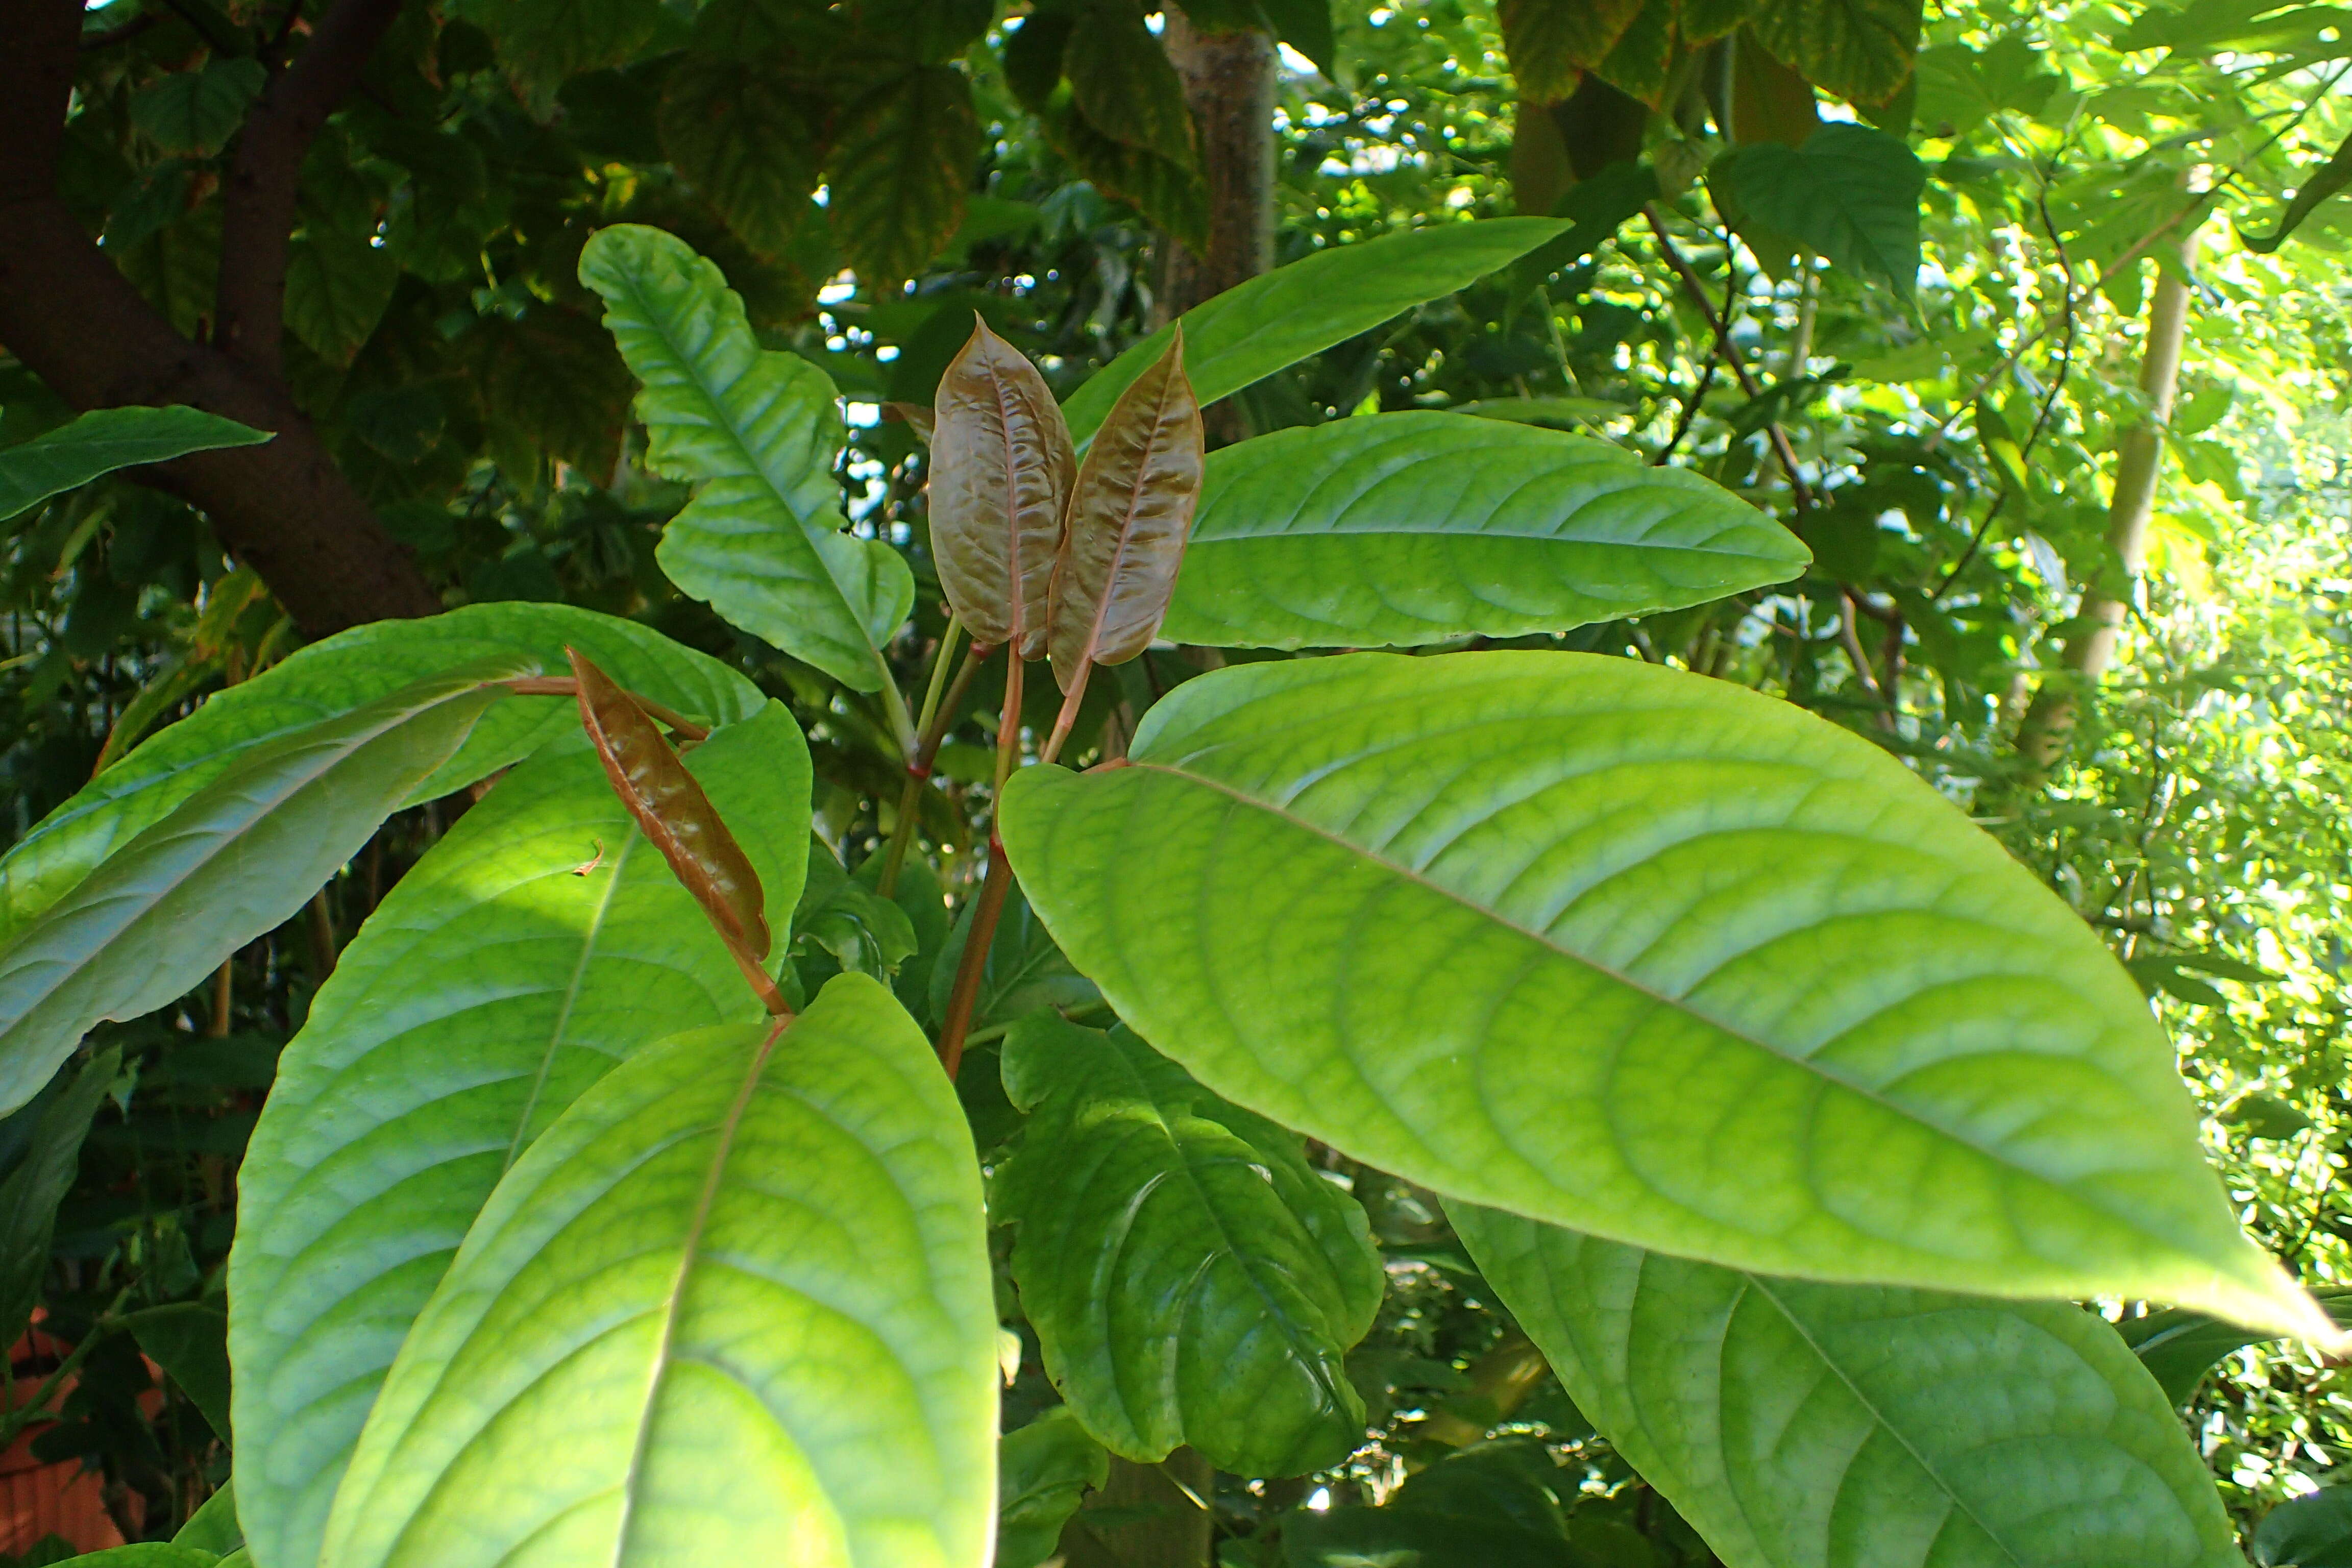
[
  {"x": 1130, "y": 511},
  {"x": 1859, "y": 50},
  {"x": 553, "y": 931},
  {"x": 234, "y": 860},
  {"x": 740, "y": 130},
  {"x": 1552, "y": 43},
  {"x": 214, "y": 1527},
  {"x": 763, "y": 541},
  {"x": 1189, "y": 1276},
  {"x": 1849, "y": 193},
  {"x": 1001, "y": 472},
  {"x": 2179, "y": 1347},
  {"x": 1616, "y": 946},
  {"x": 2310, "y": 1532},
  {"x": 1043, "y": 1471},
  {"x": 899, "y": 171},
  {"x": 1799, "y": 1425},
  {"x": 45, "y": 1138},
  {"x": 733, "y": 1308},
  {"x": 338, "y": 676},
  {"x": 1248, "y": 333},
  {"x": 189, "y": 1340},
  {"x": 1024, "y": 971},
  {"x": 105, "y": 439},
  {"x": 1402, "y": 529}
]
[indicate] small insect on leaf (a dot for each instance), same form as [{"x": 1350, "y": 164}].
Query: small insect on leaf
[
  {"x": 676, "y": 816},
  {"x": 1130, "y": 511},
  {"x": 1002, "y": 468}
]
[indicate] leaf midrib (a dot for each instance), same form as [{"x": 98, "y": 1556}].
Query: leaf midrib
[
  {"x": 1597, "y": 967},
  {"x": 555, "y": 1036}
]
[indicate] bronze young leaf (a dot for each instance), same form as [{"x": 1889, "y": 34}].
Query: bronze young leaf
[
  {"x": 674, "y": 813},
  {"x": 1001, "y": 465},
  {"x": 1129, "y": 513}
]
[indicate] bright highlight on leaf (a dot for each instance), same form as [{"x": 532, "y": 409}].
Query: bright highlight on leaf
[
  {"x": 1396, "y": 530},
  {"x": 1618, "y": 947},
  {"x": 1805, "y": 1425},
  {"x": 1001, "y": 469},
  {"x": 733, "y": 1307}
]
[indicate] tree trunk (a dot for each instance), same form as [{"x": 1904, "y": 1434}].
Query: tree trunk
[
  {"x": 283, "y": 508},
  {"x": 1174, "y": 1535},
  {"x": 2047, "y": 727}
]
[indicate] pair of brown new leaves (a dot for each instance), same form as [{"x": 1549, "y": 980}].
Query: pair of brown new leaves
[{"x": 1043, "y": 554}]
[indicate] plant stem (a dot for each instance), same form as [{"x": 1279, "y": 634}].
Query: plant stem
[
  {"x": 993, "y": 891},
  {"x": 1068, "y": 715},
  {"x": 902, "y": 725},
  {"x": 938, "y": 716}
]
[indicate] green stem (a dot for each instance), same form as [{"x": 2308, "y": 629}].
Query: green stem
[
  {"x": 993, "y": 892},
  {"x": 902, "y": 723},
  {"x": 939, "y": 717}
]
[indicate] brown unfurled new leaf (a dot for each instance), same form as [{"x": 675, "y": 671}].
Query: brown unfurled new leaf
[
  {"x": 678, "y": 818},
  {"x": 1129, "y": 512},
  {"x": 1001, "y": 466}
]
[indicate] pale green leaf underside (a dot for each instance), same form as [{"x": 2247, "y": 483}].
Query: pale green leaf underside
[
  {"x": 1396, "y": 530},
  {"x": 1248, "y": 333},
  {"x": 1631, "y": 950},
  {"x": 343, "y": 673},
  {"x": 734, "y": 1306},
  {"x": 105, "y": 439},
  {"x": 762, "y": 541},
  {"x": 234, "y": 860},
  {"x": 516, "y": 964},
  {"x": 1807, "y": 1426},
  {"x": 1191, "y": 1279}
]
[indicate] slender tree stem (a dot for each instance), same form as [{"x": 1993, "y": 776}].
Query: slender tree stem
[
  {"x": 993, "y": 892},
  {"x": 939, "y": 717},
  {"x": 902, "y": 723},
  {"x": 1069, "y": 713},
  {"x": 940, "y": 658}
]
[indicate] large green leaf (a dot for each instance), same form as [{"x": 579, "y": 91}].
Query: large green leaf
[
  {"x": 1859, "y": 50},
  {"x": 195, "y": 112},
  {"x": 762, "y": 540},
  {"x": 1616, "y": 946},
  {"x": 1248, "y": 333},
  {"x": 105, "y": 439},
  {"x": 1552, "y": 43},
  {"x": 337, "y": 677},
  {"x": 1802, "y": 1425},
  {"x": 733, "y": 1308},
  {"x": 189, "y": 1340},
  {"x": 338, "y": 287},
  {"x": 1492, "y": 1505},
  {"x": 898, "y": 171},
  {"x": 738, "y": 127},
  {"x": 234, "y": 860},
  {"x": 540, "y": 42},
  {"x": 551, "y": 931},
  {"x": 44, "y": 1139},
  {"x": 1191, "y": 1279},
  {"x": 1043, "y": 1471},
  {"x": 1402, "y": 529},
  {"x": 1849, "y": 193},
  {"x": 2310, "y": 1532}
]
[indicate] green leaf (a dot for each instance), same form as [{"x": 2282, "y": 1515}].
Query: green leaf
[
  {"x": 56, "y": 1122},
  {"x": 1404, "y": 528},
  {"x": 762, "y": 540},
  {"x": 1042, "y": 1472},
  {"x": 2268, "y": 1116},
  {"x": 337, "y": 677},
  {"x": 1849, "y": 193},
  {"x": 738, "y": 127},
  {"x": 336, "y": 289},
  {"x": 1552, "y": 43},
  {"x": 214, "y": 1527},
  {"x": 1024, "y": 971},
  {"x": 1248, "y": 333},
  {"x": 1306, "y": 25},
  {"x": 146, "y": 1554},
  {"x": 862, "y": 933},
  {"x": 1612, "y": 945},
  {"x": 2179, "y": 1347},
  {"x": 734, "y": 1306},
  {"x": 542, "y": 42},
  {"x": 105, "y": 439},
  {"x": 1398, "y": 1537},
  {"x": 898, "y": 172},
  {"x": 553, "y": 932},
  {"x": 1799, "y": 1425},
  {"x": 189, "y": 1340},
  {"x": 196, "y": 113},
  {"x": 1122, "y": 81},
  {"x": 2310, "y": 1532},
  {"x": 234, "y": 860},
  {"x": 2323, "y": 183},
  {"x": 1191, "y": 1279},
  {"x": 1859, "y": 49},
  {"x": 1960, "y": 87}
]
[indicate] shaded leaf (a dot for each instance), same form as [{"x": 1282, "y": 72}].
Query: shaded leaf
[
  {"x": 1002, "y": 470},
  {"x": 1851, "y": 193},
  {"x": 189, "y": 1340},
  {"x": 1552, "y": 43},
  {"x": 553, "y": 932},
  {"x": 789, "y": 1352},
  {"x": 738, "y": 127},
  {"x": 105, "y": 439},
  {"x": 196, "y": 111},
  {"x": 542, "y": 42},
  {"x": 2179, "y": 1347},
  {"x": 1403, "y": 529},
  {"x": 2310, "y": 1532},
  {"x": 1859, "y": 50},
  {"x": 554, "y": 383},
  {"x": 1131, "y": 509},
  {"x": 1801, "y": 1425},
  {"x": 1453, "y": 895},
  {"x": 336, "y": 289},
  {"x": 214, "y": 1527},
  {"x": 43, "y": 1171},
  {"x": 1122, "y": 81},
  {"x": 1306, "y": 25},
  {"x": 898, "y": 172},
  {"x": 1259, "y": 326},
  {"x": 1042, "y": 1472},
  {"x": 1025, "y": 972},
  {"x": 234, "y": 860},
  {"x": 763, "y": 541},
  {"x": 2321, "y": 183},
  {"x": 1189, "y": 1276},
  {"x": 1639, "y": 63}
]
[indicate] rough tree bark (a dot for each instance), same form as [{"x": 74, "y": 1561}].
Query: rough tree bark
[
  {"x": 2047, "y": 727},
  {"x": 284, "y": 508}
]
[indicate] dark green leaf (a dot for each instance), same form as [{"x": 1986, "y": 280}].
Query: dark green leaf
[
  {"x": 738, "y": 127},
  {"x": 1859, "y": 50},
  {"x": 214, "y": 1527},
  {"x": 105, "y": 439},
  {"x": 189, "y": 1340},
  {"x": 2323, "y": 183},
  {"x": 1121, "y": 80},
  {"x": 1849, "y": 193},
  {"x": 336, "y": 289},
  {"x": 196, "y": 111},
  {"x": 2179, "y": 1347},
  {"x": 898, "y": 172},
  {"x": 1306, "y": 25},
  {"x": 1552, "y": 43},
  {"x": 542, "y": 42},
  {"x": 2267, "y": 1116},
  {"x": 2311, "y": 1531},
  {"x": 1025, "y": 972},
  {"x": 1042, "y": 1472},
  {"x": 1400, "y": 1537},
  {"x": 44, "y": 1172},
  {"x": 1189, "y": 1276}
]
